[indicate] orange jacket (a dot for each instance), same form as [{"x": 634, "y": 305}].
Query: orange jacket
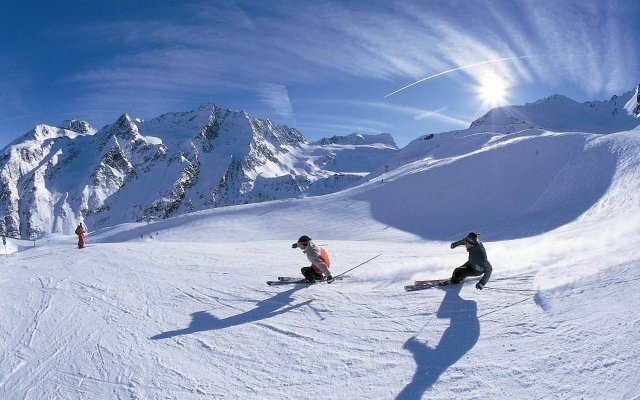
[
  {"x": 324, "y": 256},
  {"x": 319, "y": 258}
]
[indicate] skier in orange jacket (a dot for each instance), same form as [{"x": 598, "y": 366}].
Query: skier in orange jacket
[
  {"x": 80, "y": 233},
  {"x": 319, "y": 260}
]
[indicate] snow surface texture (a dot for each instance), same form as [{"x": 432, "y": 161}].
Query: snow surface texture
[{"x": 179, "y": 309}]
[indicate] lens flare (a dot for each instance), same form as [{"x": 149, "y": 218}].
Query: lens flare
[{"x": 492, "y": 91}]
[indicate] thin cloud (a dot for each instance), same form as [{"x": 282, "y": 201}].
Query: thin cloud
[
  {"x": 315, "y": 131},
  {"x": 224, "y": 46},
  {"x": 438, "y": 115},
  {"x": 415, "y": 113},
  {"x": 345, "y": 124},
  {"x": 186, "y": 54},
  {"x": 276, "y": 97},
  {"x": 583, "y": 46},
  {"x": 420, "y": 114}
]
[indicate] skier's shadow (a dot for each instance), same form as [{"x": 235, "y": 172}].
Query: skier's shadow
[
  {"x": 460, "y": 337},
  {"x": 205, "y": 321}
]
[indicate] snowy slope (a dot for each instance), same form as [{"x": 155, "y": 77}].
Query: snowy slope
[
  {"x": 558, "y": 113},
  {"x": 178, "y": 309}
]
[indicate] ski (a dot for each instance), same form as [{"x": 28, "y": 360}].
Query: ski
[
  {"x": 289, "y": 282},
  {"x": 289, "y": 278},
  {"x": 422, "y": 285},
  {"x": 431, "y": 282},
  {"x": 292, "y": 278}
]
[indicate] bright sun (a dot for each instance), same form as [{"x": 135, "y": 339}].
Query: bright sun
[{"x": 492, "y": 91}]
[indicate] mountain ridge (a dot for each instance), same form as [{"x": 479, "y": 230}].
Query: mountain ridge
[
  {"x": 555, "y": 113},
  {"x": 132, "y": 170}
]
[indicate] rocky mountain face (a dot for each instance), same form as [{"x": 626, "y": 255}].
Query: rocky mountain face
[{"x": 55, "y": 177}]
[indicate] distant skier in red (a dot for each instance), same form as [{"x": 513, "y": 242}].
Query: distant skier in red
[{"x": 80, "y": 233}]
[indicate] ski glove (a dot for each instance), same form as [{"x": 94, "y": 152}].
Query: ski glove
[
  {"x": 479, "y": 286},
  {"x": 294, "y": 246},
  {"x": 330, "y": 279}
]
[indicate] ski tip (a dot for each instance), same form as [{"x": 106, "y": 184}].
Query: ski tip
[
  {"x": 413, "y": 288},
  {"x": 274, "y": 283}
]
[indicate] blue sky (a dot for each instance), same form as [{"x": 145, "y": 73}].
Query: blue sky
[{"x": 323, "y": 67}]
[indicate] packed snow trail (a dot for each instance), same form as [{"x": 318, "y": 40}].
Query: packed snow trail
[{"x": 142, "y": 320}]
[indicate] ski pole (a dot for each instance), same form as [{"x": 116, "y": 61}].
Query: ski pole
[
  {"x": 512, "y": 290},
  {"x": 359, "y": 265}
]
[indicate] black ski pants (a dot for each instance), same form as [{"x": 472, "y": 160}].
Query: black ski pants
[
  {"x": 466, "y": 270},
  {"x": 310, "y": 274}
]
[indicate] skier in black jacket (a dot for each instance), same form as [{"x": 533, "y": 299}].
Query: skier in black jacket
[{"x": 478, "y": 263}]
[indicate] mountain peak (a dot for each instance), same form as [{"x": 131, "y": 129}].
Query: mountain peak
[
  {"x": 124, "y": 119},
  {"x": 359, "y": 139},
  {"x": 554, "y": 98},
  {"x": 45, "y": 132},
  {"x": 124, "y": 128},
  {"x": 561, "y": 114},
  {"x": 78, "y": 126},
  {"x": 178, "y": 162}
]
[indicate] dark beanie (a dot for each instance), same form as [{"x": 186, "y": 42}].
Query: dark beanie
[
  {"x": 304, "y": 238},
  {"x": 472, "y": 238}
]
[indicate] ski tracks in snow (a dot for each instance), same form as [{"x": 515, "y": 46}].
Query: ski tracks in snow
[
  {"x": 192, "y": 324},
  {"x": 43, "y": 332}
]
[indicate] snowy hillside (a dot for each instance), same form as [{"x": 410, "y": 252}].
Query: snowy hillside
[
  {"x": 558, "y": 113},
  {"x": 179, "y": 309},
  {"x": 133, "y": 170}
]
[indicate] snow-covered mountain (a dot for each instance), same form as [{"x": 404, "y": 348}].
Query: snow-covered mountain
[
  {"x": 553, "y": 114},
  {"x": 179, "y": 309},
  {"x": 560, "y": 114},
  {"x": 180, "y": 162},
  {"x": 132, "y": 170}
]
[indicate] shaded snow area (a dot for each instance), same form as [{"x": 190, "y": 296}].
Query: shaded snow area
[{"x": 179, "y": 309}]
